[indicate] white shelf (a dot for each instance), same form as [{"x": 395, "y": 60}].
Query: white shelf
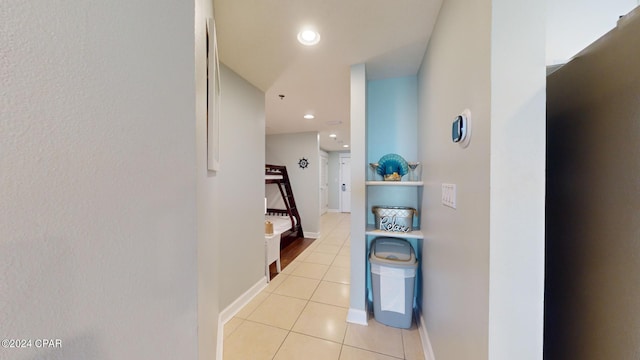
[
  {"x": 415, "y": 234},
  {"x": 394, "y": 183}
]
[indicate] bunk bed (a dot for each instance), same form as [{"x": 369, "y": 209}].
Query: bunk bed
[{"x": 285, "y": 220}]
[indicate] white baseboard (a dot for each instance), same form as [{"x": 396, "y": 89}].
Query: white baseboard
[
  {"x": 333, "y": 210},
  {"x": 220, "y": 340},
  {"x": 230, "y": 311},
  {"x": 357, "y": 316},
  {"x": 311, "y": 235},
  {"x": 233, "y": 308},
  {"x": 424, "y": 336}
]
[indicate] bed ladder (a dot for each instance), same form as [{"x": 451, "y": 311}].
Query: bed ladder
[{"x": 289, "y": 201}]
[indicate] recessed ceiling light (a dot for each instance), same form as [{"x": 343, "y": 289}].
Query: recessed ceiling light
[
  {"x": 308, "y": 37},
  {"x": 309, "y": 116},
  {"x": 333, "y": 136},
  {"x": 345, "y": 145}
]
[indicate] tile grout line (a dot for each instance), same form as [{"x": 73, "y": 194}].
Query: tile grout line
[
  {"x": 268, "y": 294},
  {"x": 280, "y": 347},
  {"x": 404, "y": 351}
]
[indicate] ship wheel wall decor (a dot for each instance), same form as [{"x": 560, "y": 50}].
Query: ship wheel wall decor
[{"x": 303, "y": 163}]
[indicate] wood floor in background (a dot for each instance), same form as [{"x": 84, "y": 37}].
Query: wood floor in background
[{"x": 289, "y": 253}]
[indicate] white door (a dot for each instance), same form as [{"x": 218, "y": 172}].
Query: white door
[
  {"x": 324, "y": 184},
  {"x": 345, "y": 184}
]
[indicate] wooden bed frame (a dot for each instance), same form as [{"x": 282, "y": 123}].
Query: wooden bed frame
[{"x": 277, "y": 174}]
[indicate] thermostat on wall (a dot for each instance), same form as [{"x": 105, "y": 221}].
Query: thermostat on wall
[{"x": 461, "y": 129}]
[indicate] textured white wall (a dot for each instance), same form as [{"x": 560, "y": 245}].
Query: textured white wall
[
  {"x": 97, "y": 179},
  {"x": 288, "y": 149}
]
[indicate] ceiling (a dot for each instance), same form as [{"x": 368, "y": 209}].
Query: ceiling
[
  {"x": 573, "y": 25},
  {"x": 258, "y": 40}
]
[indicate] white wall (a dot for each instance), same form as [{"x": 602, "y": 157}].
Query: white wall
[
  {"x": 483, "y": 263},
  {"x": 230, "y": 201},
  {"x": 455, "y": 256},
  {"x": 98, "y": 201},
  {"x": 240, "y": 209},
  {"x": 288, "y": 149}
]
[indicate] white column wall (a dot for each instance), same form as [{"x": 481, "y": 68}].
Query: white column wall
[
  {"x": 518, "y": 141},
  {"x": 357, "y": 306}
]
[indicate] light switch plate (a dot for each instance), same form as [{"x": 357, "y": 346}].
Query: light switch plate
[{"x": 449, "y": 195}]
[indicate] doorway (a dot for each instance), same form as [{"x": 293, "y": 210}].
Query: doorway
[
  {"x": 345, "y": 183},
  {"x": 324, "y": 182}
]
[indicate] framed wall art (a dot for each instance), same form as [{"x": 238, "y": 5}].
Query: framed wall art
[{"x": 213, "y": 98}]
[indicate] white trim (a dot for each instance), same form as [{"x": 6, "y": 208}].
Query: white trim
[
  {"x": 311, "y": 235},
  {"x": 230, "y": 311},
  {"x": 357, "y": 316},
  {"x": 220, "y": 340},
  {"x": 424, "y": 336},
  {"x": 233, "y": 308},
  {"x": 333, "y": 210}
]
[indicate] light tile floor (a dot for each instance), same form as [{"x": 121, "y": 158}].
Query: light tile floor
[{"x": 302, "y": 313}]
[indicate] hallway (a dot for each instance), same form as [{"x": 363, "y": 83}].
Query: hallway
[{"x": 301, "y": 314}]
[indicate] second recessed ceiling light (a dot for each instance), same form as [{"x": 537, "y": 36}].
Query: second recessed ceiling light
[
  {"x": 309, "y": 116},
  {"x": 308, "y": 37}
]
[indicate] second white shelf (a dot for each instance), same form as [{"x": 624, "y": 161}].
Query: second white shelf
[
  {"x": 415, "y": 234},
  {"x": 394, "y": 183}
]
